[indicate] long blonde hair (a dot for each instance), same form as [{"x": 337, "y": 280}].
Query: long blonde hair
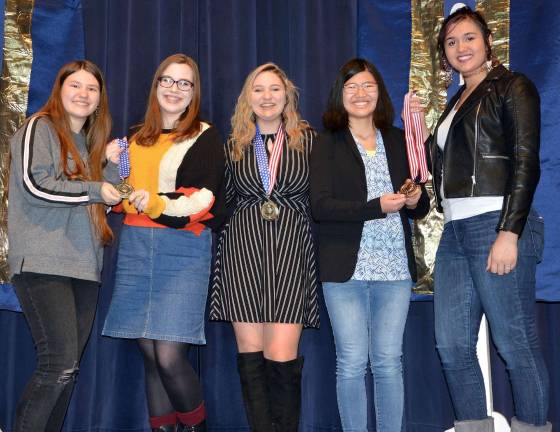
[{"x": 243, "y": 120}]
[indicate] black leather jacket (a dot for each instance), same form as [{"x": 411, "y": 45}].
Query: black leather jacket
[{"x": 492, "y": 148}]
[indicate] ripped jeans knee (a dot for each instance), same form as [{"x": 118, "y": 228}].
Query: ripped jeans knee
[
  {"x": 68, "y": 375},
  {"x": 50, "y": 375}
]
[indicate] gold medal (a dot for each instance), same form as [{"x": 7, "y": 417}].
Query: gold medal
[
  {"x": 269, "y": 211},
  {"x": 124, "y": 189}
]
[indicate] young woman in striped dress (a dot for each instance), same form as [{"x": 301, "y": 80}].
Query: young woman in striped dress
[{"x": 265, "y": 279}]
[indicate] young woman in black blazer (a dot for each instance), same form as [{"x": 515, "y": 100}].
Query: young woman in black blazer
[{"x": 366, "y": 262}]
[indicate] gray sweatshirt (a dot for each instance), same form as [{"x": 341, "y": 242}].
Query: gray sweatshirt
[{"x": 49, "y": 228}]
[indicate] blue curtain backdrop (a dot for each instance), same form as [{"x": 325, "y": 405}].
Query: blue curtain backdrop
[
  {"x": 57, "y": 32},
  {"x": 310, "y": 40},
  {"x": 535, "y": 51}
]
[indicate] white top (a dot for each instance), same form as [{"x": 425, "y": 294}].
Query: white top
[{"x": 462, "y": 208}]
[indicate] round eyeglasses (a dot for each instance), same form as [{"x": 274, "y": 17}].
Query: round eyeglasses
[
  {"x": 182, "y": 84},
  {"x": 368, "y": 87}
]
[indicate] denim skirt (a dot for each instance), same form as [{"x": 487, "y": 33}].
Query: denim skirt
[{"x": 161, "y": 285}]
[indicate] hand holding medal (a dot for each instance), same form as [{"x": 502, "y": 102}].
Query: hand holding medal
[
  {"x": 113, "y": 151},
  {"x": 123, "y": 187},
  {"x": 412, "y": 192},
  {"x": 408, "y": 188}
]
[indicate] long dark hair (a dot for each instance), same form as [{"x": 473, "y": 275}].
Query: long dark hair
[
  {"x": 336, "y": 118},
  {"x": 457, "y": 16},
  {"x": 97, "y": 129}
]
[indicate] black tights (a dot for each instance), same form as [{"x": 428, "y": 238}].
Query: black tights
[{"x": 171, "y": 382}]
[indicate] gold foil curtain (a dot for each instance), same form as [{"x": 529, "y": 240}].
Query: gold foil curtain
[
  {"x": 14, "y": 88},
  {"x": 496, "y": 13},
  {"x": 426, "y": 79}
]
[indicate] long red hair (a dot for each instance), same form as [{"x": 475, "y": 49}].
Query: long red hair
[
  {"x": 97, "y": 129},
  {"x": 189, "y": 123}
]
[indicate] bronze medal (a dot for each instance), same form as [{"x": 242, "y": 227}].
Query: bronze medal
[
  {"x": 124, "y": 189},
  {"x": 269, "y": 211},
  {"x": 408, "y": 188}
]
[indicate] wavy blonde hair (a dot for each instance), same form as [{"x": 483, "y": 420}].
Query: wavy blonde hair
[{"x": 243, "y": 120}]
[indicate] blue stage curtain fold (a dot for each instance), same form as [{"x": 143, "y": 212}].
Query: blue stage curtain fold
[
  {"x": 535, "y": 52},
  {"x": 129, "y": 38},
  {"x": 384, "y": 39},
  {"x": 57, "y": 32}
]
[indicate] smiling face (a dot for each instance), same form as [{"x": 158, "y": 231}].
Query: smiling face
[
  {"x": 79, "y": 94},
  {"x": 465, "y": 47},
  {"x": 359, "y": 96},
  {"x": 172, "y": 101},
  {"x": 267, "y": 99}
]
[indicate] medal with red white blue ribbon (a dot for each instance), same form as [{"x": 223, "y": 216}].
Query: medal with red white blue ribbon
[
  {"x": 268, "y": 169},
  {"x": 415, "y": 150}
]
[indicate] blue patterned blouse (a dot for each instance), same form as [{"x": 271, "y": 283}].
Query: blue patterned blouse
[{"x": 382, "y": 253}]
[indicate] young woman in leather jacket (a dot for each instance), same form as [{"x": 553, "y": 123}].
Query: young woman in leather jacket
[{"x": 485, "y": 164}]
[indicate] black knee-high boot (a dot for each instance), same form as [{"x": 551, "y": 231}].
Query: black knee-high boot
[
  {"x": 251, "y": 369},
  {"x": 284, "y": 383}
]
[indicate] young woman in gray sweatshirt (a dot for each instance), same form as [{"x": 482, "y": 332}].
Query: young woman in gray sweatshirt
[{"x": 60, "y": 181}]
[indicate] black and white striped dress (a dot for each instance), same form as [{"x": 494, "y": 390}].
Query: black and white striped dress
[{"x": 265, "y": 271}]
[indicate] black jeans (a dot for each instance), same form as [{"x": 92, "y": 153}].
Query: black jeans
[{"x": 59, "y": 311}]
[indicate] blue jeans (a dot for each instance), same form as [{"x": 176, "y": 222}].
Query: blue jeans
[
  {"x": 464, "y": 290},
  {"x": 368, "y": 319}
]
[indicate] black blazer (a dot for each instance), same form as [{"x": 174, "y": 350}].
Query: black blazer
[{"x": 339, "y": 199}]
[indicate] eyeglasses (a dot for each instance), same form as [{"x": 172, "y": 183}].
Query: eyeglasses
[
  {"x": 182, "y": 84},
  {"x": 368, "y": 87}
]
